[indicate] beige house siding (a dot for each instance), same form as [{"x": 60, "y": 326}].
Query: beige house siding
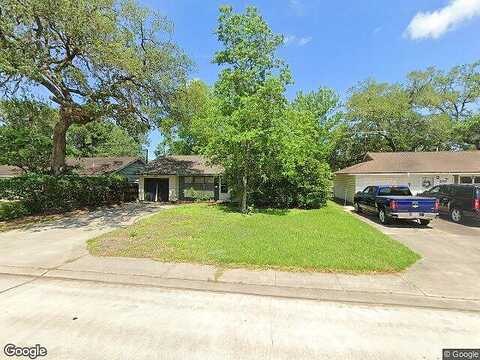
[
  {"x": 174, "y": 188},
  {"x": 344, "y": 187},
  {"x": 416, "y": 182}
]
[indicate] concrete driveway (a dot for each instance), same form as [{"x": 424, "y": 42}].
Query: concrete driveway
[
  {"x": 51, "y": 244},
  {"x": 446, "y": 276},
  {"x": 450, "y": 264}
]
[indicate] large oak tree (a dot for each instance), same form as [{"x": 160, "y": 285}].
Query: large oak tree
[{"x": 97, "y": 59}]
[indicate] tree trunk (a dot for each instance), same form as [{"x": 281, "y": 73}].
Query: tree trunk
[
  {"x": 59, "y": 143},
  {"x": 244, "y": 194}
]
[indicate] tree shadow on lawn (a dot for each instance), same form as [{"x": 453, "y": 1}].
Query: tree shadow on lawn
[
  {"x": 106, "y": 216},
  {"x": 234, "y": 208}
]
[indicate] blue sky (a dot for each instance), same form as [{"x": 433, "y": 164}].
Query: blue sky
[{"x": 339, "y": 43}]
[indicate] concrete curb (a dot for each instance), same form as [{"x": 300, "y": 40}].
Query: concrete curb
[{"x": 329, "y": 295}]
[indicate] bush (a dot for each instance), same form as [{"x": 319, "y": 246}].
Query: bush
[
  {"x": 46, "y": 193},
  {"x": 12, "y": 210},
  {"x": 307, "y": 185},
  {"x": 197, "y": 195}
]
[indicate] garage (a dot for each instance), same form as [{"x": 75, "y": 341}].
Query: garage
[
  {"x": 157, "y": 189},
  {"x": 419, "y": 171}
]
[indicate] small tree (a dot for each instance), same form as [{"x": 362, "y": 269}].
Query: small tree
[
  {"x": 249, "y": 99},
  {"x": 98, "y": 59}
]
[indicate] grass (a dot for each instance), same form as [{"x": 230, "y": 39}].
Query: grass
[{"x": 327, "y": 239}]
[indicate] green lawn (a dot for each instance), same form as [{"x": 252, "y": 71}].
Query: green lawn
[{"x": 327, "y": 239}]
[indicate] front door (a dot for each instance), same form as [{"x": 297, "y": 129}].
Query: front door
[{"x": 156, "y": 190}]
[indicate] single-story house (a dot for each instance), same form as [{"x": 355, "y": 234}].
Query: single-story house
[
  {"x": 418, "y": 170},
  {"x": 128, "y": 166},
  {"x": 174, "y": 177}
]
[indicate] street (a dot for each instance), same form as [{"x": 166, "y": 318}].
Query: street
[{"x": 92, "y": 320}]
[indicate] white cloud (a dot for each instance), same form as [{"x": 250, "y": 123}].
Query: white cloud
[
  {"x": 435, "y": 24},
  {"x": 295, "y": 40},
  {"x": 297, "y": 7},
  {"x": 304, "y": 40}
]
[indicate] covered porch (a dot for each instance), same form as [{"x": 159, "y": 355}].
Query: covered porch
[{"x": 182, "y": 178}]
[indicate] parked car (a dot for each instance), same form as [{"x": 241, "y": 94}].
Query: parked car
[
  {"x": 396, "y": 202},
  {"x": 459, "y": 201}
]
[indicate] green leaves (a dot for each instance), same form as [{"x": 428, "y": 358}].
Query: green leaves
[
  {"x": 98, "y": 59},
  {"x": 274, "y": 153}
]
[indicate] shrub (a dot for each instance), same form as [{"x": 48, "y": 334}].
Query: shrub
[
  {"x": 197, "y": 195},
  {"x": 12, "y": 210},
  {"x": 307, "y": 185},
  {"x": 46, "y": 193}
]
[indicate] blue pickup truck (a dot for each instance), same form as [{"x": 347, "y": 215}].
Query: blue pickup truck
[{"x": 396, "y": 202}]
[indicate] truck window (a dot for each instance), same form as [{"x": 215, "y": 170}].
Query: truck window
[
  {"x": 465, "y": 192},
  {"x": 395, "y": 191}
]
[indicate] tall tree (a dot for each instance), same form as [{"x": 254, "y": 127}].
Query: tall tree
[
  {"x": 450, "y": 97},
  {"x": 103, "y": 139},
  {"x": 190, "y": 102},
  {"x": 454, "y": 93},
  {"x": 323, "y": 107},
  {"x": 98, "y": 59},
  {"x": 25, "y": 134},
  {"x": 249, "y": 98},
  {"x": 468, "y": 132},
  {"x": 383, "y": 112}
]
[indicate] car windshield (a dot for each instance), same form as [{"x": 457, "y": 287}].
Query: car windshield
[{"x": 395, "y": 191}]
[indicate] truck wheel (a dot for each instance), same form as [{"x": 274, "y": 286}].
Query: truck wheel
[
  {"x": 382, "y": 216},
  {"x": 358, "y": 209},
  {"x": 424, "y": 222},
  {"x": 456, "y": 215}
]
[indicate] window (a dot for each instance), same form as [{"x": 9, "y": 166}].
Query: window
[
  {"x": 465, "y": 192},
  {"x": 466, "y": 179},
  {"x": 373, "y": 190},
  {"x": 209, "y": 180},
  {"x": 198, "y": 179},
  {"x": 395, "y": 191},
  {"x": 477, "y": 180},
  {"x": 188, "y": 179},
  {"x": 366, "y": 190},
  {"x": 224, "y": 187},
  {"x": 434, "y": 190}
]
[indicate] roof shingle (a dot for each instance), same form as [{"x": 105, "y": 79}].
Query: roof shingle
[
  {"x": 182, "y": 165},
  {"x": 83, "y": 166},
  {"x": 417, "y": 162}
]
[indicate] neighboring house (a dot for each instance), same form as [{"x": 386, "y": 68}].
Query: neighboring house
[
  {"x": 172, "y": 178},
  {"x": 418, "y": 170},
  {"x": 127, "y": 166}
]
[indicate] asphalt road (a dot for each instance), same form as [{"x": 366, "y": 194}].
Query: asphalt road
[{"x": 90, "y": 320}]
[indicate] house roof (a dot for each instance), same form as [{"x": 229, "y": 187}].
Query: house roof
[
  {"x": 88, "y": 166},
  {"x": 182, "y": 165},
  {"x": 417, "y": 162},
  {"x": 83, "y": 166}
]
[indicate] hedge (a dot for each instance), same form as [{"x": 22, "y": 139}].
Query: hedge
[{"x": 46, "y": 193}]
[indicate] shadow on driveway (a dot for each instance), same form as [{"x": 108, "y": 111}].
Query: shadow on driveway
[{"x": 112, "y": 216}]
